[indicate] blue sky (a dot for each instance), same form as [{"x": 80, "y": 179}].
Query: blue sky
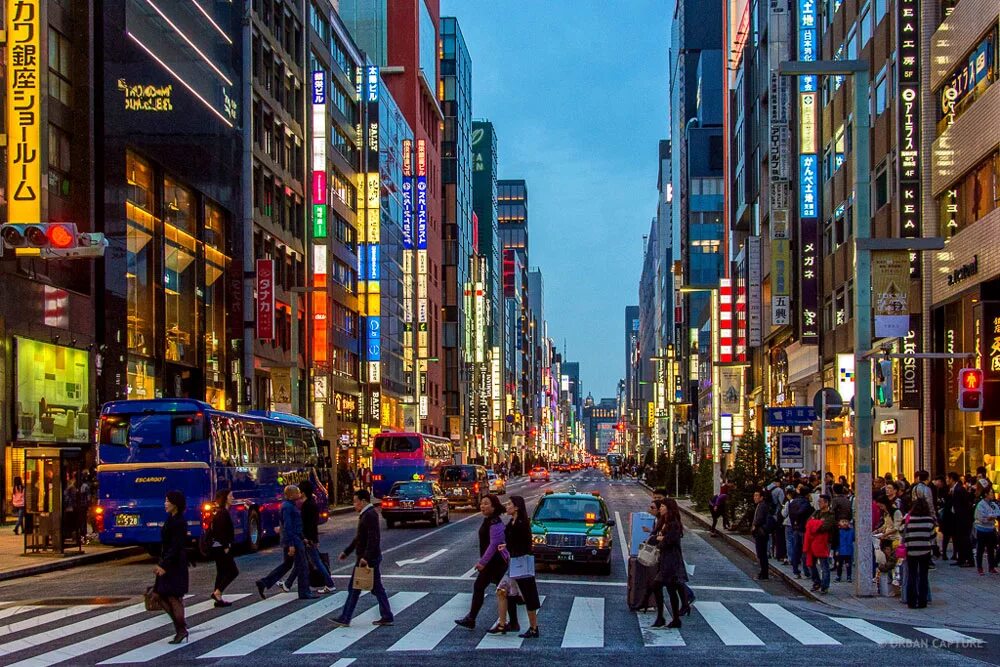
[{"x": 577, "y": 90}]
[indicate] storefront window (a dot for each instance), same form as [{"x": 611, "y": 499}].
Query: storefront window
[
  {"x": 140, "y": 231},
  {"x": 53, "y": 392},
  {"x": 180, "y": 277},
  {"x": 141, "y": 379},
  {"x": 963, "y": 432},
  {"x": 215, "y": 311},
  {"x": 971, "y": 198}
]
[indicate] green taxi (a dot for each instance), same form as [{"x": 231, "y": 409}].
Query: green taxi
[{"x": 572, "y": 527}]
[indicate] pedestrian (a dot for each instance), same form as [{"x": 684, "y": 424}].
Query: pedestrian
[
  {"x": 172, "y": 569},
  {"x": 717, "y": 505},
  {"x": 799, "y": 511},
  {"x": 492, "y": 563},
  {"x": 310, "y": 538},
  {"x": 223, "y": 535},
  {"x": 762, "y": 521},
  {"x": 987, "y": 513},
  {"x": 887, "y": 535},
  {"x": 962, "y": 518},
  {"x": 787, "y": 532},
  {"x": 946, "y": 521},
  {"x": 845, "y": 550},
  {"x": 671, "y": 570},
  {"x": 367, "y": 547},
  {"x": 816, "y": 545},
  {"x": 518, "y": 545},
  {"x": 17, "y": 502},
  {"x": 293, "y": 545},
  {"x": 918, "y": 538}
]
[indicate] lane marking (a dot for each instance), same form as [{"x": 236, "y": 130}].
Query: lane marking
[
  {"x": 469, "y": 574},
  {"x": 206, "y": 630},
  {"x": 798, "y": 628},
  {"x": 656, "y": 637},
  {"x": 952, "y": 637},
  {"x": 67, "y": 630},
  {"x": 421, "y": 560},
  {"x": 872, "y": 632},
  {"x": 434, "y": 531},
  {"x": 46, "y": 618},
  {"x": 343, "y": 662},
  {"x": 511, "y": 640},
  {"x": 339, "y": 639},
  {"x": 252, "y": 641},
  {"x": 585, "y": 627},
  {"x": 623, "y": 543},
  {"x": 19, "y": 609},
  {"x": 730, "y": 629},
  {"x": 433, "y": 629}
]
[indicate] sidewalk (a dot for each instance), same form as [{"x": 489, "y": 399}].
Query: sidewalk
[
  {"x": 953, "y": 589},
  {"x": 14, "y": 564}
]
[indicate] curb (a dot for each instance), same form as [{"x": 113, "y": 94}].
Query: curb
[
  {"x": 72, "y": 562},
  {"x": 732, "y": 541}
]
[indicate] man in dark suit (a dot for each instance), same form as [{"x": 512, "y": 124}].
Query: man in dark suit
[
  {"x": 368, "y": 549},
  {"x": 961, "y": 514}
]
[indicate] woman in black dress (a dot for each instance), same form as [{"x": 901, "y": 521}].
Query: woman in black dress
[
  {"x": 518, "y": 536},
  {"x": 172, "y": 569},
  {"x": 671, "y": 571},
  {"x": 223, "y": 535}
]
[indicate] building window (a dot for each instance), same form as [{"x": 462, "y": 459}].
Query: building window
[
  {"x": 839, "y": 227},
  {"x": 971, "y": 197},
  {"x": 215, "y": 264},
  {"x": 880, "y": 10},
  {"x": 880, "y": 185},
  {"x": 880, "y": 99},
  {"x": 180, "y": 275},
  {"x": 865, "y": 23},
  {"x": 59, "y": 58},
  {"x": 59, "y": 160},
  {"x": 968, "y": 81}
]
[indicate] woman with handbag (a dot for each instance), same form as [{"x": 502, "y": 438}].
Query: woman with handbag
[
  {"x": 492, "y": 563},
  {"x": 223, "y": 535},
  {"x": 518, "y": 583},
  {"x": 171, "y": 571},
  {"x": 671, "y": 570}
]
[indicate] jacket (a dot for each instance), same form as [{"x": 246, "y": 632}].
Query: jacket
[
  {"x": 222, "y": 530},
  {"x": 491, "y": 536},
  {"x": 291, "y": 525},
  {"x": 918, "y": 535},
  {"x": 310, "y": 520},
  {"x": 671, "y": 568},
  {"x": 799, "y": 511},
  {"x": 368, "y": 539},
  {"x": 760, "y": 519},
  {"x": 518, "y": 537},
  {"x": 173, "y": 558},
  {"x": 846, "y": 545},
  {"x": 961, "y": 507},
  {"x": 817, "y": 540},
  {"x": 841, "y": 507},
  {"x": 987, "y": 513}
]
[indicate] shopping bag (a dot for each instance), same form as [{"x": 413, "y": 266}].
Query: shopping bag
[
  {"x": 364, "y": 578},
  {"x": 522, "y": 567},
  {"x": 648, "y": 554}
]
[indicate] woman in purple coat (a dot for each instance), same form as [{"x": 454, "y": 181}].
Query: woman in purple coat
[{"x": 492, "y": 563}]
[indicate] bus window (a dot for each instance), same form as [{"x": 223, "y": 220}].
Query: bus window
[
  {"x": 311, "y": 449},
  {"x": 188, "y": 428},
  {"x": 294, "y": 448},
  {"x": 398, "y": 445},
  {"x": 114, "y": 430},
  {"x": 253, "y": 436},
  {"x": 274, "y": 444}
]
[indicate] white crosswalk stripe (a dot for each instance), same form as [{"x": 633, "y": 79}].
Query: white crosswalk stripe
[
  {"x": 7, "y": 612},
  {"x": 429, "y": 633},
  {"x": 338, "y": 639},
  {"x": 424, "y": 622}
]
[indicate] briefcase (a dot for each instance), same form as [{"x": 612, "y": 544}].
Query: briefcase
[{"x": 364, "y": 578}]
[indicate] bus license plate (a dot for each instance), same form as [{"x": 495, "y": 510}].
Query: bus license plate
[
  {"x": 127, "y": 520},
  {"x": 565, "y": 555}
]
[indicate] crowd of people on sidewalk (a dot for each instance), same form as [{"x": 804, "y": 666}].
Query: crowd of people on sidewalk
[{"x": 809, "y": 525}]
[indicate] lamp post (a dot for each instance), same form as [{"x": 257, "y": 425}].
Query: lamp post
[{"x": 713, "y": 292}]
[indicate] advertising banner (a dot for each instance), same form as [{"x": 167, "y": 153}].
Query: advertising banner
[
  {"x": 910, "y": 369},
  {"x": 890, "y": 291},
  {"x": 908, "y": 169},
  {"x": 990, "y": 356},
  {"x": 754, "y": 295},
  {"x": 809, "y": 281},
  {"x": 731, "y": 390},
  {"x": 265, "y": 299}
]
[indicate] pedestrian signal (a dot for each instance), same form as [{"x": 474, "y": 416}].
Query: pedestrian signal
[
  {"x": 970, "y": 390},
  {"x": 883, "y": 383}
]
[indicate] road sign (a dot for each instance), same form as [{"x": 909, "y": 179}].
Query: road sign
[
  {"x": 790, "y": 450},
  {"x": 797, "y": 415},
  {"x": 834, "y": 403}
]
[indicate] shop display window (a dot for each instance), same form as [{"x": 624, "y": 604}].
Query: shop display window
[
  {"x": 141, "y": 229},
  {"x": 52, "y": 392}
]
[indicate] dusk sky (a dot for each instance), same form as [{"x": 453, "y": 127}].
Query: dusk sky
[{"x": 577, "y": 91}]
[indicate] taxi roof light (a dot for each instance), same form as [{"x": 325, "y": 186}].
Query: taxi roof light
[
  {"x": 549, "y": 492},
  {"x": 596, "y": 493}
]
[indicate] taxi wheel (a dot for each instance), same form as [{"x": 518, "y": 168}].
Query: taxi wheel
[
  {"x": 447, "y": 517},
  {"x": 436, "y": 519}
]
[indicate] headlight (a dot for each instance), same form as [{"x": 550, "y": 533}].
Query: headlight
[
  {"x": 538, "y": 539},
  {"x": 599, "y": 542}
]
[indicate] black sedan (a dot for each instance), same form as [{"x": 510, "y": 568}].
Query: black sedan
[{"x": 415, "y": 501}]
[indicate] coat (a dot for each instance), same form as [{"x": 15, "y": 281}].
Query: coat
[
  {"x": 817, "y": 541},
  {"x": 173, "y": 558},
  {"x": 222, "y": 530},
  {"x": 671, "y": 568},
  {"x": 291, "y": 525},
  {"x": 368, "y": 540}
]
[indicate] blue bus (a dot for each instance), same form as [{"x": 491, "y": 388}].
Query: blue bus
[
  {"x": 402, "y": 457},
  {"x": 148, "y": 447}
]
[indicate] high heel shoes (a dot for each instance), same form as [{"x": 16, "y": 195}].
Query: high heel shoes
[
  {"x": 531, "y": 633},
  {"x": 659, "y": 622},
  {"x": 179, "y": 637},
  {"x": 498, "y": 629},
  {"x": 676, "y": 623},
  {"x": 685, "y": 610}
]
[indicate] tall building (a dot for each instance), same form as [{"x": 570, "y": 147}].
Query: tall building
[
  {"x": 647, "y": 365},
  {"x": 456, "y": 177},
  {"x": 600, "y": 420},
  {"x": 401, "y": 39},
  {"x": 512, "y": 220},
  {"x": 631, "y": 394}
]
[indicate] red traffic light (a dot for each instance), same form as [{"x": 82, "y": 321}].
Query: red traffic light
[
  {"x": 971, "y": 378},
  {"x": 970, "y": 390},
  {"x": 61, "y": 236}
]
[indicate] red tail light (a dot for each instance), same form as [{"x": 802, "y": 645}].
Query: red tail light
[
  {"x": 425, "y": 503},
  {"x": 388, "y": 502},
  {"x": 475, "y": 487},
  {"x": 377, "y": 478},
  {"x": 99, "y": 518},
  {"x": 206, "y": 515}
]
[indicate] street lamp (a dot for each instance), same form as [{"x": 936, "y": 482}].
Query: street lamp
[{"x": 713, "y": 291}]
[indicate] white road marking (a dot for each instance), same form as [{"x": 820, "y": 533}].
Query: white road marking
[
  {"x": 730, "y": 629},
  {"x": 421, "y": 560},
  {"x": 51, "y": 617},
  {"x": 872, "y": 632},
  {"x": 73, "y": 652},
  {"x": 735, "y": 589},
  {"x": 339, "y": 639},
  {"x": 559, "y": 582},
  {"x": 251, "y": 641},
  {"x": 67, "y": 630},
  {"x": 654, "y": 637},
  {"x": 206, "y": 630},
  {"x": 585, "y": 627},
  {"x": 19, "y": 609},
  {"x": 469, "y": 574},
  {"x": 951, "y": 637},
  {"x": 510, "y": 640},
  {"x": 690, "y": 569},
  {"x": 429, "y": 633},
  {"x": 622, "y": 542},
  {"x": 343, "y": 662},
  {"x": 796, "y": 627}
]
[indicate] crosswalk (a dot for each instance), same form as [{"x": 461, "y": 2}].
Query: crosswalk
[{"x": 42, "y": 636}]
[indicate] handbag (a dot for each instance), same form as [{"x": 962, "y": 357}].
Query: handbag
[
  {"x": 648, "y": 554},
  {"x": 152, "y": 600},
  {"x": 522, "y": 567},
  {"x": 364, "y": 578}
]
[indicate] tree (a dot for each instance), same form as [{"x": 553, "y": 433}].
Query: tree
[
  {"x": 682, "y": 471},
  {"x": 749, "y": 473},
  {"x": 703, "y": 484}
]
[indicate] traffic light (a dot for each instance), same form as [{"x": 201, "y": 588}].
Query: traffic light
[
  {"x": 970, "y": 390},
  {"x": 883, "y": 383},
  {"x": 51, "y": 240}
]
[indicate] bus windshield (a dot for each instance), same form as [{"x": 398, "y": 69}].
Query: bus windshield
[
  {"x": 397, "y": 445},
  {"x": 148, "y": 431}
]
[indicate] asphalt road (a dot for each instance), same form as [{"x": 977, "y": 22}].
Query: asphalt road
[{"x": 94, "y": 615}]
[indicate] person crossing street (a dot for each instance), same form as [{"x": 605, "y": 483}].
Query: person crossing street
[
  {"x": 367, "y": 546},
  {"x": 294, "y": 547}
]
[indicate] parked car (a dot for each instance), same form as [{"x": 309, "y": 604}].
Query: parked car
[
  {"x": 497, "y": 485},
  {"x": 464, "y": 485},
  {"x": 539, "y": 474},
  {"x": 415, "y": 501}
]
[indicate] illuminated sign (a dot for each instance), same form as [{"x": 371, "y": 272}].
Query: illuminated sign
[
  {"x": 319, "y": 182},
  {"x": 908, "y": 121},
  {"x": 808, "y": 185},
  {"x": 808, "y": 140},
  {"x": 421, "y": 196},
  {"x": 318, "y": 87},
  {"x": 265, "y": 299},
  {"x": 809, "y": 281},
  {"x": 24, "y": 108},
  {"x": 978, "y": 68},
  {"x": 147, "y": 98},
  {"x": 754, "y": 297},
  {"x": 845, "y": 376},
  {"x": 725, "y": 320}
]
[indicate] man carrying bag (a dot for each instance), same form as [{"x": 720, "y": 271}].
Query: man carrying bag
[{"x": 366, "y": 576}]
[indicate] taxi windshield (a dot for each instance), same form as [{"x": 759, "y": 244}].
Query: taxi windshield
[
  {"x": 569, "y": 509},
  {"x": 412, "y": 490}
]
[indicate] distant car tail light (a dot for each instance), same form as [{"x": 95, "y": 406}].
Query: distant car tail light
[
  {"x": 475, "y": 487},
  {"x": 425, "y": 503}
]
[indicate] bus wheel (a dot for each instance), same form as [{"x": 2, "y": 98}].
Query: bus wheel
[{"x": 253, "y": 532}]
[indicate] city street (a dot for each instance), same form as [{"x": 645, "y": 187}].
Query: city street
[{"x": 95, "y": 615}]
